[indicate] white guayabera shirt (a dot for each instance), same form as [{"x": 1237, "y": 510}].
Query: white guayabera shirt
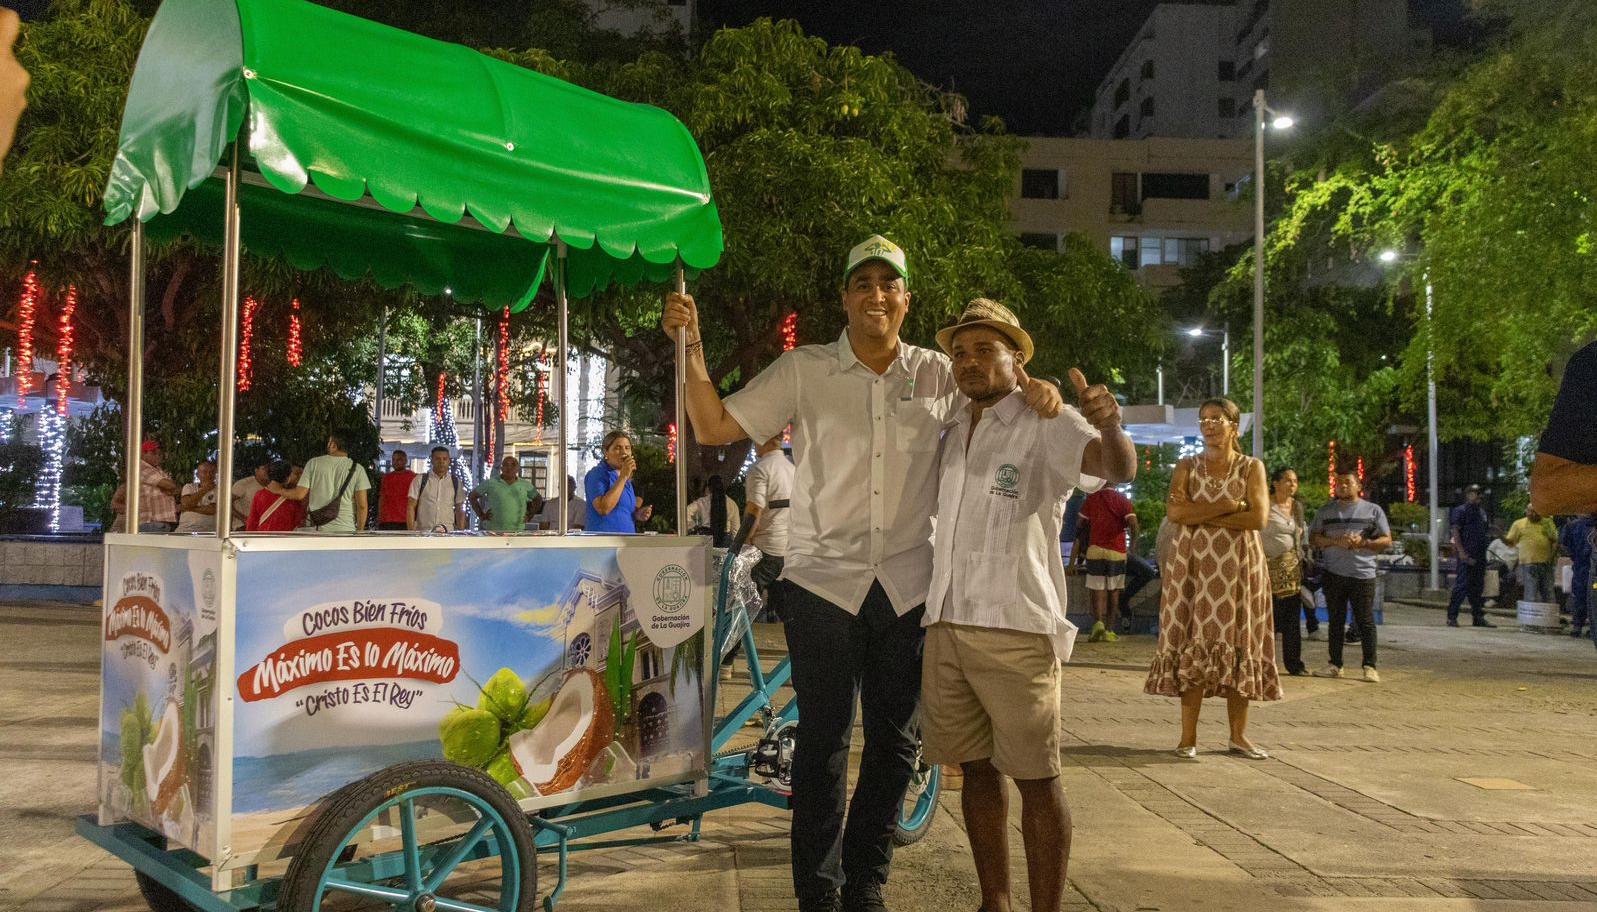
[
  {"x": 1001, "y": 502},
  {"x": 865, "y": 465}
]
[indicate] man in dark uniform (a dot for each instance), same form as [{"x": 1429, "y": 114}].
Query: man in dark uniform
[{"x": 1471, "y": 533}]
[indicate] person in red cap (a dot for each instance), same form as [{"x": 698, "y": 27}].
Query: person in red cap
[{"x": 157, "y": 494}]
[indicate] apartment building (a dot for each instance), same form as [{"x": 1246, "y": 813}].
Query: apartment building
[
  {"x": 654, "y": 16},
  {"x": 1192, "y": 68},
  {"x": 1153, "y": 204},
  {"x": 1177, "y": 77}
]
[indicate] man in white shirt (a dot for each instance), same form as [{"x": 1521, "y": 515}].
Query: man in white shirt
[
  {"x": 769, "y": 491},
  {"x": 576, "y": 509},
  {"x": 244, "y": 491},
  {"x": 995, "y": 617},
  {"x": 197, "y": 502},
  {"x": 867, "y": 414},
  {"x": 437, "y": 498}
]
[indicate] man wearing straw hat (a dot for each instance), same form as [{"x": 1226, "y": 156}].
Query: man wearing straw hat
[
  {"x": 868, "y": 413},
  {"x": 995, "y": 618}
]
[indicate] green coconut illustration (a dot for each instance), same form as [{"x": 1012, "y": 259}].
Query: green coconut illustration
[{"x": 470, "y": 736}]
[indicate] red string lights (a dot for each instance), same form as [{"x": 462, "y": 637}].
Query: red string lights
[
  {"x": 1361, "y": 472},
  {"x": 502, "y": 369},
  {"x": 27, "y": 310},
  {"x": 671, "y": 443},
  {"x": 1411, "y": 488},
  {"x": 245, "y": 345},
  {"x": 1331, "y": 475},
  {"x": 542, "y": 383},
  {"x": 790, "y": 332},
  {"x": 63, "y": 351},
  {"x": 296, "y": 343}
]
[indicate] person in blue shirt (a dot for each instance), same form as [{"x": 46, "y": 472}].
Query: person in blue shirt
[
  {"x": 1576, "y": 540},
  {"x": 613, "y": 505},
  {"x": 1471, "y": 534}
]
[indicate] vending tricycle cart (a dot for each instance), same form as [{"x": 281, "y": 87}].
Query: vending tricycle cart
[{"x": 309, "y": 722}]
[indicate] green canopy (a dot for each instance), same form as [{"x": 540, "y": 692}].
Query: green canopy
[{"x": 363, "y": 110}]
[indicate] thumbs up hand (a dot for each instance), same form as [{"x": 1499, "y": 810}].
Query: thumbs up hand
[
  {"x": 1042, "y": 397},
  {"x": 1097, "y": 404}
]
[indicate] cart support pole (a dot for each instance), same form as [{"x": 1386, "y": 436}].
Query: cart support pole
[
  {"x": 229, "y": 359},
  {"x": 134, "y": 401},
  {"x": 682, "y": 413},
  {"x": 382, "y": 368},
  {"x": 479, "y": 421},
  {"x": 560, "y": 370}
]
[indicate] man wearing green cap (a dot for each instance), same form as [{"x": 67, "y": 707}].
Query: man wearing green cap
[{"x": 868, "y": 413}]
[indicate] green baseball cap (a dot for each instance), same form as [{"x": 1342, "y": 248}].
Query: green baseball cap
[{"x": 877, "y": 247}]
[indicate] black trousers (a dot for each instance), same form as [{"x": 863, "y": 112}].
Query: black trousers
[
  {"x": 1287, "y": 610},
  {"x": 1469, "y": 582},
  {"x": 876, "y": 657},
  {"x": 1341, "y": 594}
]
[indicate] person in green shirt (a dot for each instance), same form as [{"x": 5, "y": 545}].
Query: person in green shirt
[
  {"x": 501, "y": 501},
  {"x": 1537, "y": 540}
]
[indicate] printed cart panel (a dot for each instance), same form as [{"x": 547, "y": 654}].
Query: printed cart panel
[{"x": 555, "y": 670}]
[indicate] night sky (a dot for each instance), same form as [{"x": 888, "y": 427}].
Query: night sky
[{"x": 1035, "y": 63}]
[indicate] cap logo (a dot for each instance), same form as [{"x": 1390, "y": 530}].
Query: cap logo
[{"x": 878, "y": 248}]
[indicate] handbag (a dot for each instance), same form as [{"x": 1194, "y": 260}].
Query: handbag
[{"x": 328, "y": 512}]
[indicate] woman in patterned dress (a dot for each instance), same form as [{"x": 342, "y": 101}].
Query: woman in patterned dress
[{"x": 1216, "y": 623}]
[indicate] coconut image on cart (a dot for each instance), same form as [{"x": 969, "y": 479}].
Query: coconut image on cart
[{"x": 300, "y": 134}]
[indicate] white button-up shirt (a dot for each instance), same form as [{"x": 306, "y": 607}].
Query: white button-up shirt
[
  {"x": 770, "y": 478},
  {"x": 1001, "y": 500},
  {"x": 865, "y": 465},
  {"x": 437, "y": 502}
]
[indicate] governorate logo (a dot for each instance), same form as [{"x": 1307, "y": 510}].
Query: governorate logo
[
  {"x": 1006, "y": 481},
  {"x": 672, "y": 586}
]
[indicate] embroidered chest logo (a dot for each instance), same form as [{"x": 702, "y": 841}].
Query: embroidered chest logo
[{"x": 1006, "y": 481}]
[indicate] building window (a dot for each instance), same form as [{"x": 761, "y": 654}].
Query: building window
[
  {"x": 1147, "y": 106},
  {"x": 580, "y": 650},
  {"x": 1123, "y": 126},
  {"x": 1122, "y": 92},
  {"x": 1138, "y": 252},
  {"x": 1147, "y": 68},
  {"x": 1184, "y": 251},
  {"x": 1175, "y": 186},
  {"x": 1228, "y": 71},
  {"x": 1228, "y": 108},
  {"x": 1123, "y": 192},
  {"x": 1124, "y": 250},
  {"x": 1039, "y": 183},
  {"x": 1040, "y": 240}
]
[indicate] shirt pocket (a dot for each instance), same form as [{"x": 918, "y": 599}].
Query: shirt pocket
[
  {"x": 919, "y": 425},
  {"x": 991, "y": 582}
]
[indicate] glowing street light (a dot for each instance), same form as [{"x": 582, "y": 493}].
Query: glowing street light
[{"x": 1278, "y": 121}]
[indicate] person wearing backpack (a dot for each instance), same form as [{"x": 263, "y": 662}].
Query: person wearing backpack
[
  {"x": 437, "y": 498},
  {"x": 333, "y": 488}
]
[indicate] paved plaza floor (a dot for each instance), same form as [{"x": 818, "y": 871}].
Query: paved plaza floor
[{"x": 1467, "y": 779}]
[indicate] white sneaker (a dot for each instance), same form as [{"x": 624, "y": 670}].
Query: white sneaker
[
  {"x": 1329, "y": 671},
  {"x": 1371, "y": 675}
]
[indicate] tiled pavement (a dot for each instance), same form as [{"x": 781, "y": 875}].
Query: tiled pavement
[{"x": 1362, "y": 806}]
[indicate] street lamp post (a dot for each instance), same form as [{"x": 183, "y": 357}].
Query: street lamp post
[
  {"x": 1432, "y": 437},
  {"x": 1225, "y": 358},
  {"x": 1280, "y": 122}
]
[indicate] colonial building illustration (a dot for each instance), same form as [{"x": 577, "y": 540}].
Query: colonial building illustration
[{"x": 589, "y": 609}]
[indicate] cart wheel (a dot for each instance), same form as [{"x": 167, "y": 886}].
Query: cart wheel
[
  {"x": 158, "y": 896},
  {"x": 920, "y": 803},
  {"x": 423, "y": 836}
]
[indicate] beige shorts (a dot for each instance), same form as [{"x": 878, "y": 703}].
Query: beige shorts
[{"x": 991, "y": 694}]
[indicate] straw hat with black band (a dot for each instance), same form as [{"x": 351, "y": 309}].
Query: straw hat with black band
[{"x": 993, "y": 315}]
